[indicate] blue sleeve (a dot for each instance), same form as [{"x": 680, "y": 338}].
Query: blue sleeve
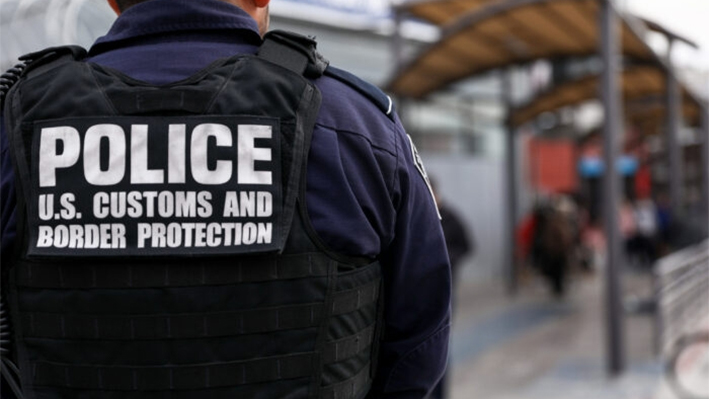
[
  {"x": 417, "y": 291},
  {"x": 8, "y": 202}
]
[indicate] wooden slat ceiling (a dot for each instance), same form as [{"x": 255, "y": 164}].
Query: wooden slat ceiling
[
  {"x": 639, "y": 83},
  {"x": 482, "y": 35}
]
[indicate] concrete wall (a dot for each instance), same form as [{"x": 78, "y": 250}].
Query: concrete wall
[{"x": 474, "y": 188}]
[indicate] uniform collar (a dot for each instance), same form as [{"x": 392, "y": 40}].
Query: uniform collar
[{"x": 165, "y": 17}]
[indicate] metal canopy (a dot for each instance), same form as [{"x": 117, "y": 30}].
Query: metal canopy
[
  {"x": 643, "y": 88},
  {"x": 672, "y": 36},
  {"x": 505, "y": 33},
  {"x": 442, "y": 12},
  {"x": 653, "y": 113}
]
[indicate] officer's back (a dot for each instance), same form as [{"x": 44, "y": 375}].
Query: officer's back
[{"x": 163, "y": 306}]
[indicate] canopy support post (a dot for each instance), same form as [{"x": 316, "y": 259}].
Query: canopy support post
[
  {"x": 397, "y": 41},
  {"x": 674, "y": 147},
  {"x": 511, "y": 184},
  {"x": 612, "y": 135},
  {"x": 704, "y": 165}
]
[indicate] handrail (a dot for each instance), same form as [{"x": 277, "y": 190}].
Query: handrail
[{"x": 682, "y": 294}]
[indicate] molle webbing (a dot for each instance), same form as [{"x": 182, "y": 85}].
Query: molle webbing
[
  {"x": 191, "y": 378},
  {"x": 196, "y": 376},
  {"x": 44, "y": 324},
  {"x": 159, "y": 378},
  {"x": 117, "y": 327},
  {"x": 347, "y": 317},
  {"x": 199, "y": 272},
  {"x": 183, "y": 382}
]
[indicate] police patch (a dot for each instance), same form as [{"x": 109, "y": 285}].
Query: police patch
[
  {"x": 145, "y": 186},
  {"x": 419, "y": 166}
]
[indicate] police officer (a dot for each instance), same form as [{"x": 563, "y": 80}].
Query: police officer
[{"x": 191, "y": 210}]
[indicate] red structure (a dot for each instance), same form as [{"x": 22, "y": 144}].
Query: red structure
[{"x": 553, "y": 165}]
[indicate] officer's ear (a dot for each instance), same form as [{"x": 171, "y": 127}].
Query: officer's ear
[{"x": 249, "y": 5}]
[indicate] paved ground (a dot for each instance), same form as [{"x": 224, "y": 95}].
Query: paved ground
[{"x": 536, "y": 347}]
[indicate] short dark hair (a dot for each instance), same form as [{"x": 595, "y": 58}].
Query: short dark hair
[{"x": 124, "y": 4}]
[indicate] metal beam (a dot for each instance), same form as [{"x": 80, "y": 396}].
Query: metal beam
[
  {"x": 478, "y": 15},
  {"x": 407, "y": 5},
  {"x": 397, "y": 42},
  {"x": 511, "y": 183},
  {"x": 704, "y": 165},
  {"x": 397, "y": 51},
  {"x": 522, "y": 114},
  {"x": 669, "y": 35},
  {"x": 612, "y": 134},
  {"x": 674, "y": 147}
]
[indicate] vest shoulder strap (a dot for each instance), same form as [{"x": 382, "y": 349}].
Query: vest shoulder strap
[
  {"x": 299, "y": 54},
  {"x": 60, "y": 55},
  {"x": 33, "y": 61},
  {"x": 372, "y": 92},
  {"x": 293, "y": 51},
  {"x": 8, "y": 79}
]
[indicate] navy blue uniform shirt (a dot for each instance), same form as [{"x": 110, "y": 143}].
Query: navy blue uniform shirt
[{"x": 365, "y": 195}]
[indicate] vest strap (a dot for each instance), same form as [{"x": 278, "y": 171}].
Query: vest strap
[
  {"x": 350, "y": 388},
  {"x": 184, "y": 326},
  {"x": 293, "y": 51},
  {"x": 283, "y": 55},
  {"x": 162, "y": 100},
  {"x": 353, "y": 299},
  {"x": 52, "y": 55},
  {"x": 112, "y": 276},
  {"x": 8, "y": 79},
  {"x": 345, "y": 348},
  {"x": 161, "y": 378}
]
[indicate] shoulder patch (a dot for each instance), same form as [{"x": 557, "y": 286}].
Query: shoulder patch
[
  {"x": 372, "y": 92},
  {"x": 418, "y": 162}
]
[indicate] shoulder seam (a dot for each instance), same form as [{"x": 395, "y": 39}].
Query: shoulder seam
[
  {"x": 395, "y": 184},
  {"x": 370, "y": 91},
  {"x": 395, "y": 178},
  {"x": 363, "y": 136}
]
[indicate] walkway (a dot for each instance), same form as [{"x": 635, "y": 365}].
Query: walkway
[{"x": 536, "y": 347}]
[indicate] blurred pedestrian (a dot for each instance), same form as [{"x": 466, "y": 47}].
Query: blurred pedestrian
[
  {"x": 645, "y": 241},
  {"x": 664, "y": 223},
  {"x": 553, "y": 242},
  {"x": 459, "y": 244},
  {"x": 459, "y": 241},
  {"x": 627, "y": 226}
]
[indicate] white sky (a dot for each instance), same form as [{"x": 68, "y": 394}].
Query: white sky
[{"x": 689, "y": 18}]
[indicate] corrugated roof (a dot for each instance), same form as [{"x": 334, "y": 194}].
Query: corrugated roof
[
  {"x": 493, "y": 33},
  {"x": 639, "y": 83},
  {"x": 442, "y": 12}
]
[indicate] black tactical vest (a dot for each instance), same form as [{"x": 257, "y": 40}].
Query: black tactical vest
[{"x": 164, "y": 247}]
